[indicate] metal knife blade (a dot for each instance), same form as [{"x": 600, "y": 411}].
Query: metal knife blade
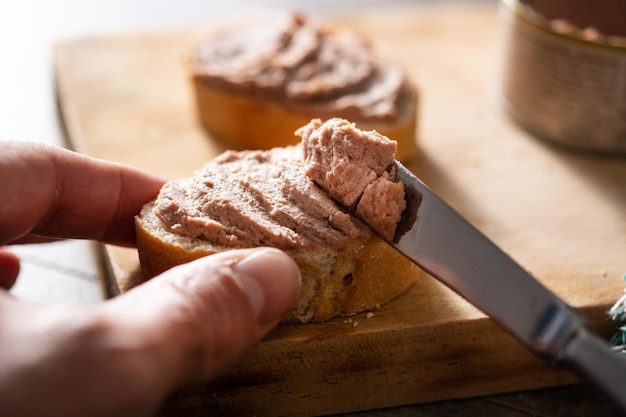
[{"x": 438, "y": 239}]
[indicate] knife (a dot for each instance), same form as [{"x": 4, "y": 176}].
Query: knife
[{"x": 439, "y": 240}]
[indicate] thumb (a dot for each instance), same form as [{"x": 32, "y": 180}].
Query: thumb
[{"x": 199, "y": 318}]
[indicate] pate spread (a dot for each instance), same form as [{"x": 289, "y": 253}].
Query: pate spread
[
  {"x": 293, "y": 60},
  {"x": 277, "y": 197},
  {"x": 256, "y": 198},
  {"x": 357, "y": 169},
  {"x": 589, "y": 19}
]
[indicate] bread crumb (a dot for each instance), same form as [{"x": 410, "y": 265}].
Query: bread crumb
[
  {"x": 369, "y": 315},
  {"x": 356, "y": 323},
  {"x": 377, "y": 306}
]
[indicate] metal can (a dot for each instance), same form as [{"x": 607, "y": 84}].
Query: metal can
[{"x": 564, "y": 83}]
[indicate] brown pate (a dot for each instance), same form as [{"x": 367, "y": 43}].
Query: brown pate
[{"x": 277, "y": 197}]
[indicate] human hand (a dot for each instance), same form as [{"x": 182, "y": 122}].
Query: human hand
[{"x": 122, "y": 356}]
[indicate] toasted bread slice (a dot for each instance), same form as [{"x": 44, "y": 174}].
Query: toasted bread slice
[{"x": 359, "y": 277}]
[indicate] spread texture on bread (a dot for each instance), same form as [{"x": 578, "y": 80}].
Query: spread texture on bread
[
  {"x": 278, "y": 70},
  {"x": 272, "y": 198},
  {"x": 359, "y": 172}
]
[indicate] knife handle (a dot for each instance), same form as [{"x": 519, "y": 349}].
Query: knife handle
[{"x": 594, "y": 359}]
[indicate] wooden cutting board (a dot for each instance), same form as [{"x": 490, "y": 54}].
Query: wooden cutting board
[{"x": 562, "y": 215}]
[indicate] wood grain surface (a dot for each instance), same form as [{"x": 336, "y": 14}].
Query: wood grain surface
[{"x": 559, "y": 213}]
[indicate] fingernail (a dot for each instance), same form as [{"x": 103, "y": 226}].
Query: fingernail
[{"x": 271, "y": 280}]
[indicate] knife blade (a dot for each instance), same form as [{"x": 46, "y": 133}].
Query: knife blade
[{"x": 443, "y": 243}]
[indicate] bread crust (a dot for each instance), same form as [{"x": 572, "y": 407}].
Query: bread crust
[
  {"x": 359, "y": 277},
  {"x": 247, "y": 122}
]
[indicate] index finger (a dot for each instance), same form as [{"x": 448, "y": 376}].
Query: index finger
[{"x": 58, "y": 193}]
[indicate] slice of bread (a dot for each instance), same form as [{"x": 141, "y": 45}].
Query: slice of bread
[
  {"x": 257, "y": 79},
  {"x": 247, "y": 122},
  {"x": 271, "y": 198},
  {"x": 359, "y": 277}
]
